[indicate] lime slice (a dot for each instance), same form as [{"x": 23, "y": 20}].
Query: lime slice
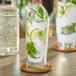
[
  {"x": 34, "y": 34},
  {"x": 68, "y": 9},
  {"x": 60, "y": 11},
  {"x": 33, "y": 55},
  {"x": 37, "y": 34},
  {"x": 42, "y": 35}
]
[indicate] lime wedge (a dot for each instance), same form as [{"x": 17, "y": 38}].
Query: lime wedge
[
  {"x": 68, "y": 9},
  {"x": 34, "y": 34},
  {"x": 60, "y": 11}
]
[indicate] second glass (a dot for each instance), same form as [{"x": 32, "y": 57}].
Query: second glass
[{"x": 66, "y": 23}]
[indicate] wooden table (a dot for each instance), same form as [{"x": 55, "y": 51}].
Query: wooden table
[{"x": 64, "y": 64}]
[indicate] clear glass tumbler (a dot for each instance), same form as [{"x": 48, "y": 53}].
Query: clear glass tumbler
[
  {"x": 9, "y": 30},
  {"x": 66, "y": 23},
  {"x": 36, "y": 29}
]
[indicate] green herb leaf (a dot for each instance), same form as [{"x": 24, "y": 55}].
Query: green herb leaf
[
  {"x": 41, "y": 11},
  {"x": 32, "y": 50},
  {"x": 69, "y": 29}
]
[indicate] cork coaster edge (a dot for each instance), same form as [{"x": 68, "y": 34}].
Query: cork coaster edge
[
  {"x": 56, "y": 48},
  {"x": 47, "y": 68}
]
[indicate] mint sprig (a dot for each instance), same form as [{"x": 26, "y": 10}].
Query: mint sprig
[
  {"x": 40, "y": 12},
  {"x": 69, "y": 29},
  {"x": 32, "y": 51}
]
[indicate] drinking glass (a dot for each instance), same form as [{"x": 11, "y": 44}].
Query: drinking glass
[
  {"x": 36, "y": 29},
  {"x": 66, "y": 23},
  {"x": 9, "y": 29}
]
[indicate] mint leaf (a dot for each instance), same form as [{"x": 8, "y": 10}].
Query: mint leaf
[
  {"x": 41, "y": 11},
  {"x": 32, "y": 50},
  {"x": 69, "y": 29}
]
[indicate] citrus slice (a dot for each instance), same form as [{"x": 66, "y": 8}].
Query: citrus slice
[
  {"x": 33, "y": 55},
  {"x": 68, "y": 9},
  {"x": 34, "y": 35},
  {"x": 42, "y": 35},
  {"x": 60, "y": 10}
]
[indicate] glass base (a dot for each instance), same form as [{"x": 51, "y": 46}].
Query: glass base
[
  {"x": 35, "y": 65},
  {"x": 64, "y": 46}
]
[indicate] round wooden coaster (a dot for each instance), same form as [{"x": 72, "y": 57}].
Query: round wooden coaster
[
  {"x": 57, "y": 48},
  {"x": 47, "y": 68}
]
